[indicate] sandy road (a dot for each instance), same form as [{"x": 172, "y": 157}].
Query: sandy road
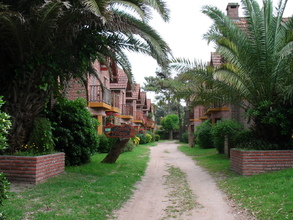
[{"x": 151, "y": 199}]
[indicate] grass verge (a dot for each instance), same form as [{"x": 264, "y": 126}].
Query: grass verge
[
  {"x": 91, "y": 191},
  {"x": 180, "y": 197},
  {"x": 267, "y": 196}
]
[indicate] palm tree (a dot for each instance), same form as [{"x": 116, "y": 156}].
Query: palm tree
[
  {"x": 193, "y": 83},
  {"x": 44, "y": 44},
  {"x": 258, "y": 66}
]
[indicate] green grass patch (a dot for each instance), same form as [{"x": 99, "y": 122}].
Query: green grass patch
[
  {"x": 267, "y": 196},
  {"x": 91, "y": 191},
  {"x": 181, "y": 197}
]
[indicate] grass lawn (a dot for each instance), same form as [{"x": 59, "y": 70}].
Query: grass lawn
[
  {"x": 91, "y": 191},
  {"x": 266, "y": 196}
]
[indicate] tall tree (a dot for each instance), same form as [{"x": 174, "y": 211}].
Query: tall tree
[
  {"x": 162, "y": 85},
  {"x": 45, "y": 43},
  {"x": 258, "y": 66},
  {"x": 170, "y": 123},
  {"x": 192, "y": 78}
]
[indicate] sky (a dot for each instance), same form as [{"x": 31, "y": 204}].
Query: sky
[{"x": 184, "y": 33}]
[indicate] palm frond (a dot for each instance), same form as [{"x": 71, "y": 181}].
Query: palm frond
[{"x": 160, "y": 7}]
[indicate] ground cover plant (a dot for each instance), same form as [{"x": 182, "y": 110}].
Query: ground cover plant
[
  {"x": 267, "y": 196},
  {"x": 91, "y": 191}
]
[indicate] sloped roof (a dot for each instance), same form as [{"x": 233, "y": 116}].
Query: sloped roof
[{"x": 122, "y": 81}]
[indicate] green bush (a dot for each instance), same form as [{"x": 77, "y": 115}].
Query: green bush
[
  {"x": 75, "y": 131},
  {"x": 105, "y": 143},
  {"x": 225, "y": 128},
  {"x": 185, "y": 137},
  {"x": 157, "y": 137},
  {"x": 41, "y": 139},
  {"x": 204, "y": 135},
  {"x": 4, "y": 187},
  {"x": 153, "y": 136},
  {"x": 129, "y": 147},
  {"x": 135, "y": 140},
  {"x": 148, "y": 138},
  {"x": 246, "y": 139},
  {"x": 142, "y": 137},
  {"x": 4, "y": 126},
  {"x": 163, "y": 134}
]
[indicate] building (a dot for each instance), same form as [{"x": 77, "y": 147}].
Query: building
[
  {"x": 216, "y": 112},
  {"x": 112, "y": 99}
]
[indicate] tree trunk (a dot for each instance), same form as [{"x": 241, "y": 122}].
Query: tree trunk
[
  {"x": 115, "y": 151},
  {"x": 23, "y": 104},
  {"x": 180, "y": 123},
  {"x": 190, "y": 136},
  {"x": 171, "y": 134},
  {"x": 188, "y": 125}
]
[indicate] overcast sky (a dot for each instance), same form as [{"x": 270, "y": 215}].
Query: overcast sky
[{"x": 184, "y": 33}]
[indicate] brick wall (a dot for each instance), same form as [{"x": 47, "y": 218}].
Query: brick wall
[
  {"x": 249, "y": 163},
  {"x": 32, "y": 169}
]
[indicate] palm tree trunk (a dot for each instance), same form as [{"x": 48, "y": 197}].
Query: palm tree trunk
[{"x": 24, "y": 104}]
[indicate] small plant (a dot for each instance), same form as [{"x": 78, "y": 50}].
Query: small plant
[
  {"x": 148, "y": 138},
  {"x": 225, "y": 128},
  {"x": 41, "y": 139},
  {"x": 204, "y": 135},
  {"x": 185, "y": 137},
  {"x": 157, "y": 137},
  {"x": 129, "y": 147},
  {"x": 142, "y": 137},
  {"x": 5, "y": 125},
  {"x": 4, "y": 187},
  {"x": 153, "y": 136},
  {"x": 135, "y": 140},
  {"x": 105, "y": 143}
]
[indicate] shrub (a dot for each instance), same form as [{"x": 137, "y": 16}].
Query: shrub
[
  {"x": 226, "y": 127},
  {"x": 157, "y": 137},
  {"x": 41, "y": 139},
  {"x": 246, "y": 139},
  {"x": 142, "y": 137},
  {"x": 153, "y": 136},
  {"x": 185, "y": 137},
  {"x": 75, "y": 131},
  {"x": 163, "y": 134},
  {"x": 129, "y": 147},
  {"x": 105, "y": 143},
  {"x": 4, "y": 126},
  {"x": 148, "y": 138},
  {"x": 4, "y": 187},
  {"x": 204, "y": 136},
  {"x": 135, "y": 140}
]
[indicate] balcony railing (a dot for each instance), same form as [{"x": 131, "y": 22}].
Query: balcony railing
[
  {"x": 99, "y": 94},
  {"x": 150, "y": 123},
  {"x": 139, "y": 116},
  {"x": 127, "y": 109},
  {"x": 115, "y": 100}
]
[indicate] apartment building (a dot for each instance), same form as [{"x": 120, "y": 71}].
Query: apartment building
[
  {"x": 216, "y": 111},
  {"x": 112, "y": 99}
]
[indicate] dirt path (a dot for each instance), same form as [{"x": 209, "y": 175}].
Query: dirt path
[{"x": 160, "y": 195}]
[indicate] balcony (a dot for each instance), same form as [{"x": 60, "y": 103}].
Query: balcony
[
  {"x": 150, "y": 124},
  {"x": 216, "y": 108},
  {"x": 99, "y": 97},
  {"x": 138, "y": 118},
  {"x": 115, "y": 102},
  {"x": 127, "y": 111}
]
